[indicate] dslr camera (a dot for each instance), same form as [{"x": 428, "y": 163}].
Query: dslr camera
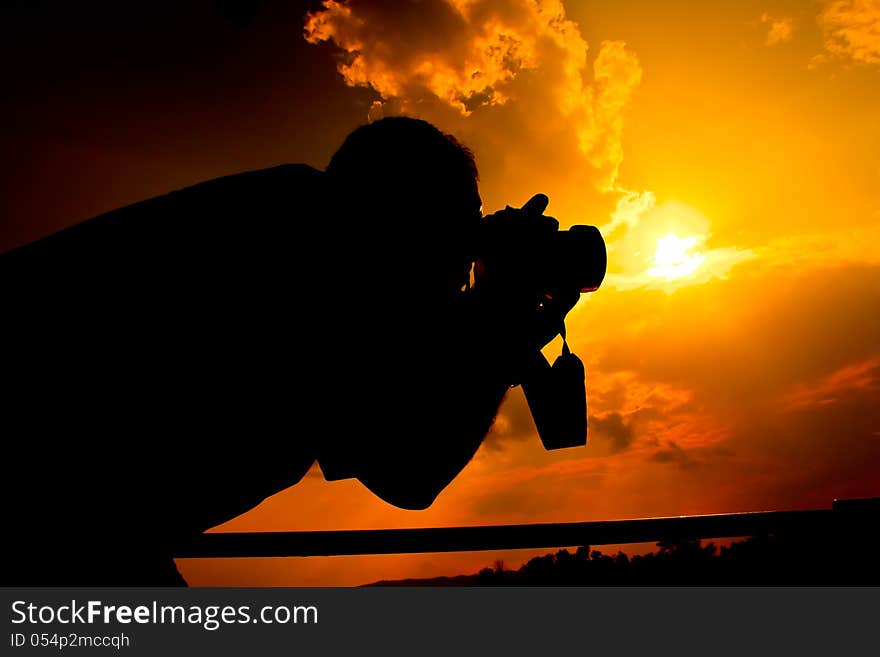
[{"x": 544, "y": 263}]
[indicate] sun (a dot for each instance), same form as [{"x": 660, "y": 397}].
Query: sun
[{"x": 672, "y": 258}]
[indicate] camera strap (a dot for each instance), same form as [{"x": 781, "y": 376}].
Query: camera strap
[{"x": 565, "y": 350}]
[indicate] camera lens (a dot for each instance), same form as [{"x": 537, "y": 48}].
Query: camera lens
[{"x": 579, "y": 260}]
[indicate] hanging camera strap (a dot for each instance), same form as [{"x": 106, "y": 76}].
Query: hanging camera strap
[{"x": 565, "y": 350}]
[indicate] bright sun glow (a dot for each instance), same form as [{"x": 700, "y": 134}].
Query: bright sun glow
[{"x": 672, "y": 260}]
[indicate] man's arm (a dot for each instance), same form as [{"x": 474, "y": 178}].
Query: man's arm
[
  {"x": 142, "y": 336},
  {"x": 492, "y": 334}
]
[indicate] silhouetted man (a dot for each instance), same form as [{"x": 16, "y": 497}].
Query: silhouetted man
[{"x": 172, "y": 363}]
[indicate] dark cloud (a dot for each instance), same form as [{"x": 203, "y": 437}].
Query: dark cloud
[
  {"x": 614, "y": 429},
  {"x": 674, "y": 454},
  {"x": 609, "y": 433}
]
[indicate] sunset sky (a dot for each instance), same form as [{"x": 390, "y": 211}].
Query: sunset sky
[{"x": 729, "y": 151}]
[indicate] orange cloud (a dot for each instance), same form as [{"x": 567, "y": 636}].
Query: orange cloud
[
  {"x": 859, "y": 377},
  {"x": 827, "y": 249},
  {"x": 477, "y": 55},
  {"x": 780, "y": 29},
  {"x": 617, "y": 73},
  {"x": 851, "y": 30},
  {"x": 466, "y": 72}
]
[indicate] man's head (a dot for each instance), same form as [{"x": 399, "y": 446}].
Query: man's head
[{"x": 401, "y": 181}]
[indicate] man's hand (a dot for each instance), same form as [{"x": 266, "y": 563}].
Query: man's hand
[
  {"x": 508, "y": 260},
  {"x": 508, "y": 276}
]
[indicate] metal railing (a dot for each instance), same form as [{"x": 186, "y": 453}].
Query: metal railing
[{"x": 854, "y": 516}]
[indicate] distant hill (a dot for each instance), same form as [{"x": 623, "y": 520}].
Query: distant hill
[{"x": 457, "y": 580}]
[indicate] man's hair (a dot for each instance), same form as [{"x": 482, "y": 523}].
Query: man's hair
[
  {"x": 401, "y": 179},
  {"x": 403, "y": 152}
]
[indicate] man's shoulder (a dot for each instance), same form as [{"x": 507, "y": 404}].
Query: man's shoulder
[
  {"x": 260, "y": 186},
  {"x": 293, "y": 173},
  {"x": 234, "y": 204},
  {"x": 262, "y": 199}
]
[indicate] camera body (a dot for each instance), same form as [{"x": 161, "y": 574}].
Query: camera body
[{"x": 541, "y": 259}]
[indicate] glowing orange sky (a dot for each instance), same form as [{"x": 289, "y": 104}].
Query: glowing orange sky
[{"x": 750, "y": 130}]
